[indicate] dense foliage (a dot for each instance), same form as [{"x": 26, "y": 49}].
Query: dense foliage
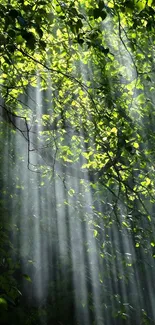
[{"x": 77, "y": 86}]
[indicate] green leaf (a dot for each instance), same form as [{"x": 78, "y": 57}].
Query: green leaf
[
  {"x": 71, "y": 192},
  {"x": 95, "y": 233},
  {"x": 135, "y": 145},
  {"x": 125, "y": 224},
  {"x": 19, "y": 39},
  {"x": 3, "y": 303},
  {"x": 25, "y": 276},
  {"x": 140, "y": 4}
]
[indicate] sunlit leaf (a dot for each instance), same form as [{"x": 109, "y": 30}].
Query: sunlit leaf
[
  {"x": 27, "y": 277},
  {"x": 95, "y": 233},
  {"x": 3, "y": 303}
]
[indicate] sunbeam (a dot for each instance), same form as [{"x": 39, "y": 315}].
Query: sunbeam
[{"x": 77, "y": 192}]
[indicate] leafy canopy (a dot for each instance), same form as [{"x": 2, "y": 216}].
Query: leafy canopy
[{"x": 92, "y": 63}]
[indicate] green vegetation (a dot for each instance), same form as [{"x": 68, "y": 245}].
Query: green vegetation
[{"x": 77, "y": 152}]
